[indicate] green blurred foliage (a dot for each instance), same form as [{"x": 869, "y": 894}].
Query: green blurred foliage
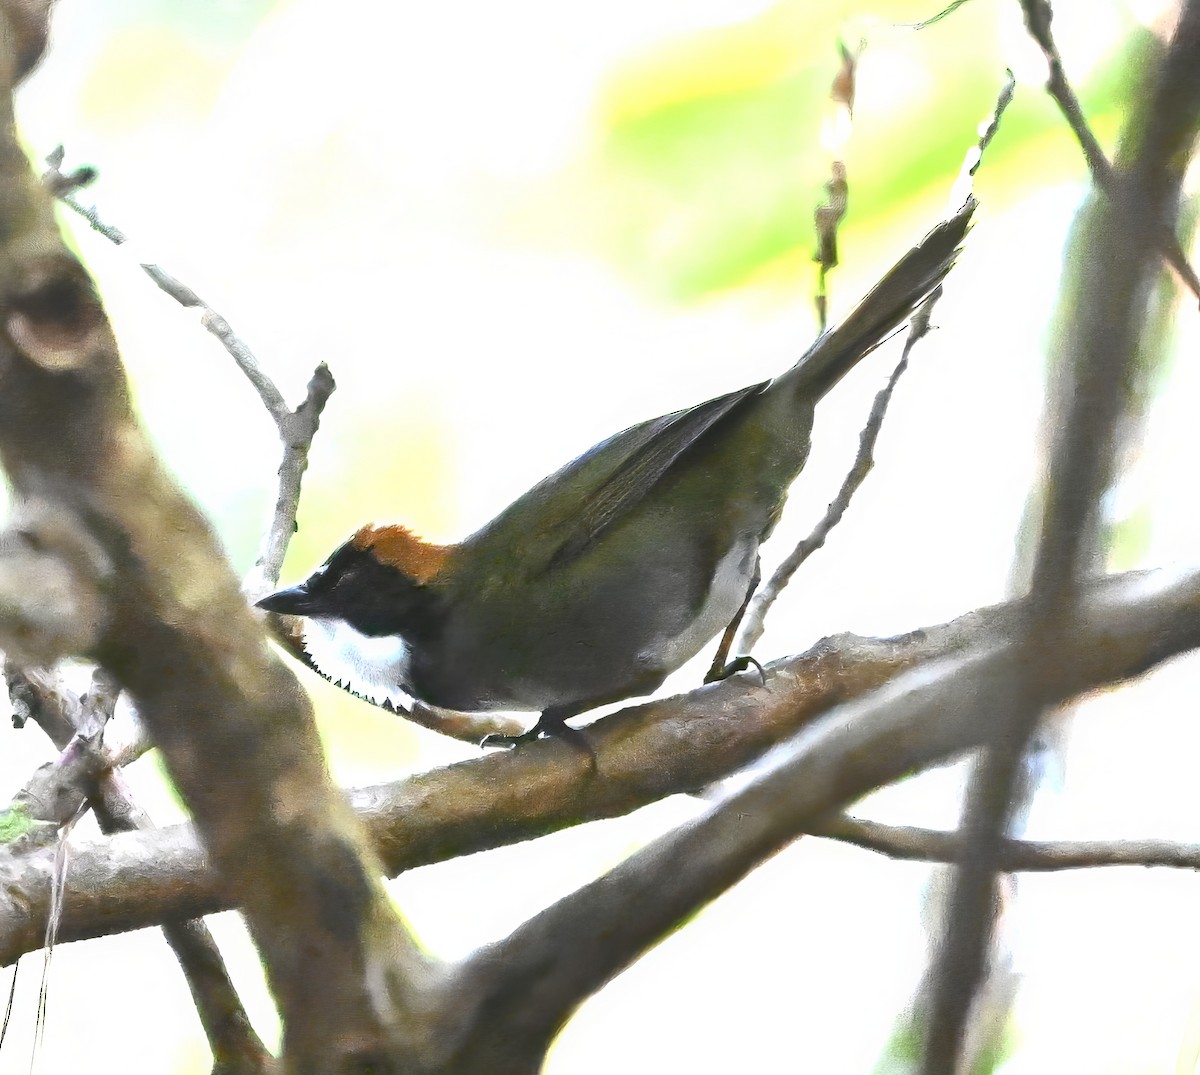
[
  {"x": 15, "y": 822},
  {"x": 711, "y": 149},
  {"x": 902, "y": 1054}
]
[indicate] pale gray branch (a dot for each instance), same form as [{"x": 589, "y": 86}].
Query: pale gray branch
[
  {"x": 235, "y": 730},
  {"x": 296, "y": 428},
  {"x": 1038, "y": 19},
  {"x": 140, "y": 879},
  {"x": 1095, "y": 362},
  {"x": 864, "y": 461},
  {"x": 911, "y": 843},
  {"x": 74, "y": 723},
  {"x": 756, "y": 614},
  {"x": 523, "y": 988}
]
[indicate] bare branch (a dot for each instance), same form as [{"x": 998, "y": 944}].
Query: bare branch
[
  {"x": 521, "y": 990},
  {"x": 55, "y": 793},
  {"x": 140, "y": 879},
  {"x": 63, "y": 187},
  {"x": 1097, "y": 355},
  {"x": 34, "y": 696},
  {"x": 1038, "y": 17},
  {"x": 235, "y": 730},
  {"x": 63, "y": 716},
  {"x": 864, "y": 461},
  {"x": 756, "y": 613},
  {"x": 910, "y": 843},
  {"x": 236, "y": 1047},
  {"x": 296, "y": 428}
]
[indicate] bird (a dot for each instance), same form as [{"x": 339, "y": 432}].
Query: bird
[{"x": 612, "y": 572}]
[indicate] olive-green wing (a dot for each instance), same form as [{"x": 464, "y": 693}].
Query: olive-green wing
[
  {"x": 662, "y": 442},
  {"x": 566, "y": 512}
]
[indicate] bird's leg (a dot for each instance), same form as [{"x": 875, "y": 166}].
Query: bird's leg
[
  {"x": 722, "y": 667},
  {"x": 551, "y": 724}
]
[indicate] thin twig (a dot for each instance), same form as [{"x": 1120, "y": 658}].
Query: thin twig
[
  {"x": 64, "y": 717},
  {"x": 296, "y": 428},
  {"x": 756, "y": 614},
  {"x": 965, "y": 182},
  {"x": 1096, "y": 358},
  {"x": 1038, "y": 17},
  {"x": 64, "y": 187},
  {"x": 949, "y": 9},
  {"x": 910, "y": 843},
  {"x": 864, "y": 461},
  {"x": 296, "y": 431},
  {"x": 518, "y": 992}
]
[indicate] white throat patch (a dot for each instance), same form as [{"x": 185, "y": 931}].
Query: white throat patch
[{"x": 376, "y": 668}]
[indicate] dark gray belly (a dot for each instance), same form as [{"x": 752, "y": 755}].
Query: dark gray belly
[{"x": 583, "y": 648}]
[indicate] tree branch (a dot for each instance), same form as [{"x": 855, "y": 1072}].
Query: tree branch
[
  {"x": 516, "y": 994},
  {"x": 1038, "y": 17},
  {"x": 63, "y": 716},
  {"x": 235, "y": 730},
  {"x": 864, "y": 461},
  {"x": 297, "y": 428},
  {"x": 931, "y": 712},
  {"x": 1096, "y": 361},
  {"x": 828, "y": 219},
  {"x": 135, "y": 880},
  {"x": 908, "y": 843}
]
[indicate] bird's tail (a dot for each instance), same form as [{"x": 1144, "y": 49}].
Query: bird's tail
[{"x": 886, "y": 305}]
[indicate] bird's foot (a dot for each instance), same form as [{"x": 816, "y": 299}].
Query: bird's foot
[
  {"x": 550, "y": 725},
  {"x": 738, "y": 664},
  {"x": 509, "y": 741}
]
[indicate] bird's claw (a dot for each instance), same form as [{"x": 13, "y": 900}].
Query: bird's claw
[
  {"x": 550, "y": 729},
  {"x": 507, "y": 742},
  {"x": 738, "y": 664}
]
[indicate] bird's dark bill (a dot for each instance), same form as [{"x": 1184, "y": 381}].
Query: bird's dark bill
[{"x": 294, "y": 601}]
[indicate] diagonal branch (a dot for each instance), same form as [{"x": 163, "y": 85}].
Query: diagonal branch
[
  {"x": 756, "y": 613},
  {"x": 135, "y": 880},
  {"x": 236, "y": 1048},
  {"x": 517, "y": 993},
  {"x": 864, "y": 461},
  {"x": 1096, "y": 360},
  {"x": 235, "y": 730},
  {"x": 1038, "y": 17},
  {"x": 910, "y": 843},
  {"x": 297, "y": 428}
]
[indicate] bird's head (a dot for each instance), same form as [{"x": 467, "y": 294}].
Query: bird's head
[{"x": 376, "y": 582}]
